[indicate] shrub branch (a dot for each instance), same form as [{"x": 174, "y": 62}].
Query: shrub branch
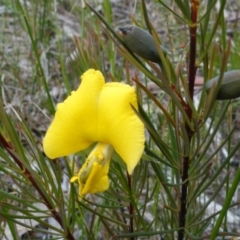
[{"x": 191, "y": 79}]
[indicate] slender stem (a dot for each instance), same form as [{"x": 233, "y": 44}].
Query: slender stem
[
  {"x": 28, "y": 174},
  {"x": 184, "y": 192},
  {"x": 191, "y": 79},
  {"x": 192, "y": 54},
  {"x": 130, "y": 208}
]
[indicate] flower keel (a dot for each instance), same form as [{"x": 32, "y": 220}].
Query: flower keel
[{"x": 93, "y": 176}]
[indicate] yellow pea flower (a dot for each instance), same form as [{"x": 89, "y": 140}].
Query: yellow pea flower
[{"x": 97, "y": 112}]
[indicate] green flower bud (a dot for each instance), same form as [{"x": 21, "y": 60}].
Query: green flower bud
[
  {"x": 230, "y": 86},
  {"x": 141, "y": 42}
]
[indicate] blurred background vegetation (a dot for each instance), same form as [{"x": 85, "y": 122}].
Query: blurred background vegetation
[{"x": 46, "y": 45}]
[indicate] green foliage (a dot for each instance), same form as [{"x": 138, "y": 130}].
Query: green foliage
[{"x": 185, "y": 171}]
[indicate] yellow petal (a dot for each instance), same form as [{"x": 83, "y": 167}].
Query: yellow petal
[
  {"x": 93, "y": 176},
  {"x": 118, "y": 124},
  {"x": 75, "y": 123},
  {"x": 97, "y": 181},
  {"x": 74, "y": 179}
]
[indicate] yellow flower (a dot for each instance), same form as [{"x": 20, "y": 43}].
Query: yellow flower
[{"x": 97, "y": 112}]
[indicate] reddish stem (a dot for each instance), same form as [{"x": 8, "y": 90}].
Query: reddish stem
[
  {"x": 191, "y": 78},
  {"x": 130, "y": 208}
]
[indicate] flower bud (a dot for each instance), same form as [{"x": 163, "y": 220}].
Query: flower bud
[
  {"x": 230, "y": 86},
  {"x": 141, "y": 42}
]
